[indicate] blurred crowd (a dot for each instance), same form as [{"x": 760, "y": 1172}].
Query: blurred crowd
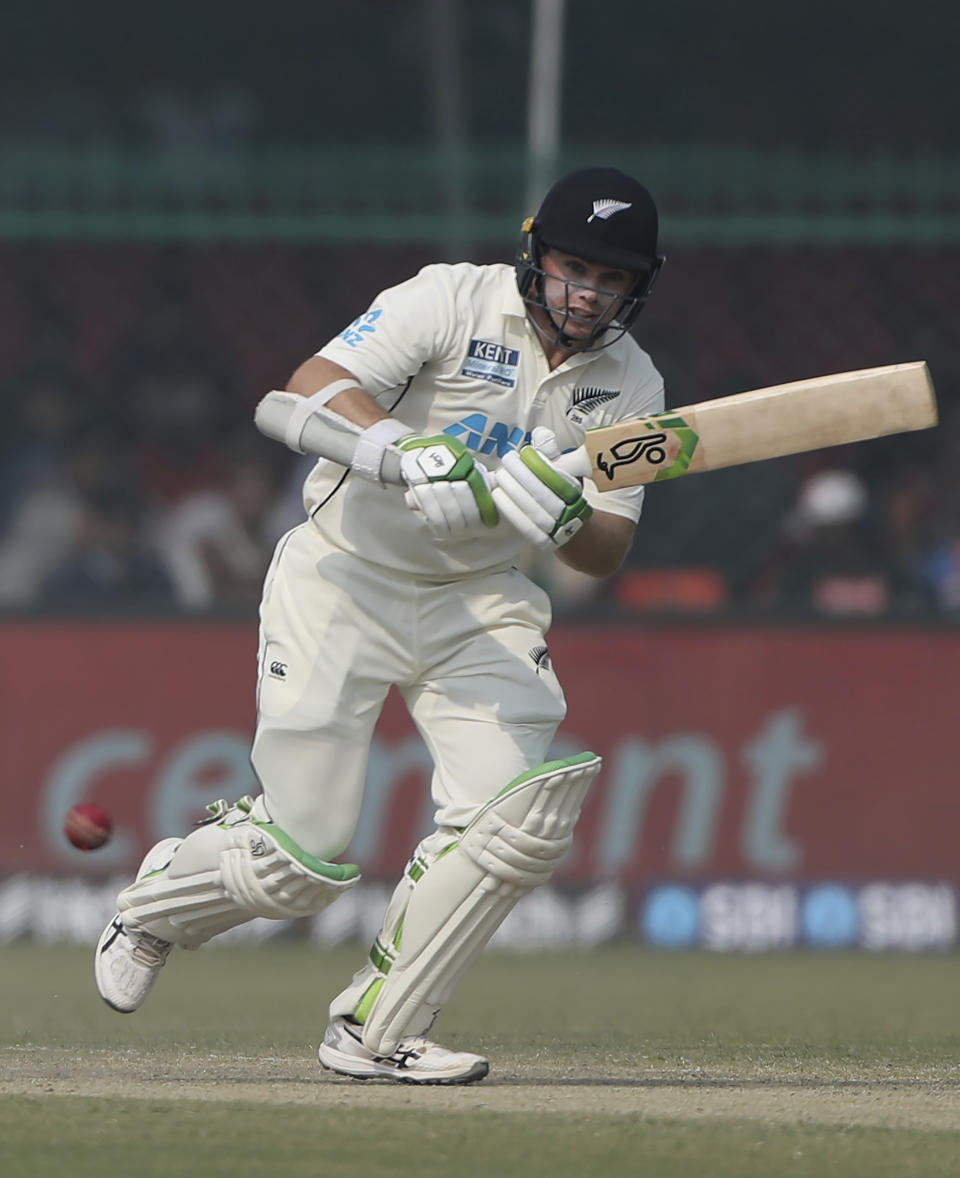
[
  {"x": 170, "y": 503},
  {"x": 132, "y": 477}
]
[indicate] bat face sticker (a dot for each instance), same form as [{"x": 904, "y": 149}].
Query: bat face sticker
[
  {"x": 650, "y": 448},
  {"x": 666, "y": 443}
]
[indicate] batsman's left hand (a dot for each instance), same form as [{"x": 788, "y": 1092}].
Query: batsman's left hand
[
  {"x": 445, "y": 486},
  {"x": 544, "y": 503}
]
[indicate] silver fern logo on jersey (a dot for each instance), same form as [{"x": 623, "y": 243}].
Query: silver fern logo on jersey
[
  {"x": 604, "y": 209},
  {"x": 541, "y": 658},
  {"x": 587, "y": 398}
]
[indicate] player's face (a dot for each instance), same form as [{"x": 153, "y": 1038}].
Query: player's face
[{"x": 582, "y": 295}]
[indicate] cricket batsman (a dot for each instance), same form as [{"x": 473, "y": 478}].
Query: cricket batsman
[{"x": 482, "y": 376}]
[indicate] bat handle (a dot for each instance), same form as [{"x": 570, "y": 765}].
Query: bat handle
[
  {"x": 331, "y": 436},
  {"x": 576, "y": 462}
]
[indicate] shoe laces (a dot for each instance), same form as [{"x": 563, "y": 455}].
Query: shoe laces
[
  {"x": 151, "y": 951},
  {"x": 419, "y": 1043}
]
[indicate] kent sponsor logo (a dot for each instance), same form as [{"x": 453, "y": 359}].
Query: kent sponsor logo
[
  {"x": 483, "y": 437},
  {"x": 484, "y": 350},
  {"x": 493, "y": 362}
]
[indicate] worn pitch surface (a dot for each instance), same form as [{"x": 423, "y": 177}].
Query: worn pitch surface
[{"x": 692, "y": 1060}]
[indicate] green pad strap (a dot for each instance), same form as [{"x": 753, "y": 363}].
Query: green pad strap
[
  {"x": 339, "y": 872},
  {"x": 544, "y": 770},
  {"x": 367, "y": 1001}
]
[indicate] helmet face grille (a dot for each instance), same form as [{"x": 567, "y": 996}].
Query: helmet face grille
[{"x": 530, "y": 280}]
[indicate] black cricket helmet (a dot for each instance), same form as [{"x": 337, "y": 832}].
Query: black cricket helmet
[{"x": 603, "y": 216}]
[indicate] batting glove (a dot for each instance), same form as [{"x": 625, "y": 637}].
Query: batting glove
[
  {"x": 445, "y": 485},
  {"x": 544, "y": 503}
]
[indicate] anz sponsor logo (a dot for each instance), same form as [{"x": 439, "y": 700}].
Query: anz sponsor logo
[
  {"x": 493, "y": 362},
  {"x": 361, "y": 327},
  {"x": 483, "y": 437}
]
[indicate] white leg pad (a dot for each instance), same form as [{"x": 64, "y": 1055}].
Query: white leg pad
[
  {"x": 225, "y": 873},
  {"x": 466, "y": 892}
]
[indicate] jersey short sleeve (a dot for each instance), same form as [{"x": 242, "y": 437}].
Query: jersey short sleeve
[{"x": 405, "y": 327}]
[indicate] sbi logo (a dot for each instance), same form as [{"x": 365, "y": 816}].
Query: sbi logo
[
  {"x": 478, "y": 435},
  {"x": 671, "y": 916}
]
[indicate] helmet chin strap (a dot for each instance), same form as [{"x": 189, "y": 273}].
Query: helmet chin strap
[{"x": 559, "y": 338}]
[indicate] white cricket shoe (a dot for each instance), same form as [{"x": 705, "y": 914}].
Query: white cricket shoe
[
  {"x": 126, "y": 963},
  {"x": 417, "y": 1060}
]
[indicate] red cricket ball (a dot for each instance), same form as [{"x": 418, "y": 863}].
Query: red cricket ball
[{"x": 87, "y": 826}]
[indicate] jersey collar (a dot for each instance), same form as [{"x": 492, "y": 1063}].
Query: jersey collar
[{"x": 513, "y": 304}]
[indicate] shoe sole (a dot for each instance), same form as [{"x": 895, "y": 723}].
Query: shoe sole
[{"x": 341, "y": 1065}]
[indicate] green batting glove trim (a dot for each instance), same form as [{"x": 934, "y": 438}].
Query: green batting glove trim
[
  {"x": 580, "y": 510},
  {"x": 570, "y": 493},
  {"x": 559, "y": 484},
  {"x": 488, "y": 509},
  {"x": 454, "y": 445},
  {"x": 464, "y": 469}
]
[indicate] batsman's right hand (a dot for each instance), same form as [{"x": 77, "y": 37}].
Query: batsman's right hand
[{"x": 445, "y": 485}]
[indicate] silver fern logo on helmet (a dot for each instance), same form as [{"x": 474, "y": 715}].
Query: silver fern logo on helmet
[{"x": 604, "y": 209}]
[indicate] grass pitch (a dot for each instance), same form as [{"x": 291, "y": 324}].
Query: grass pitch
[{"x": 620, "y": 1062}]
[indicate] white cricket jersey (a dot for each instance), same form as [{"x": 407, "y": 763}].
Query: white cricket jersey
[{"x": 452, "y": 351}]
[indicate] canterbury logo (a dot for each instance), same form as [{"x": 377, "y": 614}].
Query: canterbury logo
[
  {"x": 604, "y": 209},
  {"x": 589, "y": 398},
  {"x": 278, "y": 669}
]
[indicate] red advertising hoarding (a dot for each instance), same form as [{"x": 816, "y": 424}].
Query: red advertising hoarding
[{"x": 736, "y": 752}]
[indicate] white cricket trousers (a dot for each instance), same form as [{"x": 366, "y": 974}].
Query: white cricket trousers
[{"x": 336, "y": 632}]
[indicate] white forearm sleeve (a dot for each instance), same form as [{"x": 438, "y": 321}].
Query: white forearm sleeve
[{"x": 305, "y": 407}]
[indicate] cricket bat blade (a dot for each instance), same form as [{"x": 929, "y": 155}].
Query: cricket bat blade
[{"x": 764, "y": 423}]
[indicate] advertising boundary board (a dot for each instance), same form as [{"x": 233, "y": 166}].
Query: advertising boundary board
[{"x": 787, "y": 755}]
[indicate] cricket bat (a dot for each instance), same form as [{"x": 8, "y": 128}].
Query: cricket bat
[{"x": 727, "y": 431}]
